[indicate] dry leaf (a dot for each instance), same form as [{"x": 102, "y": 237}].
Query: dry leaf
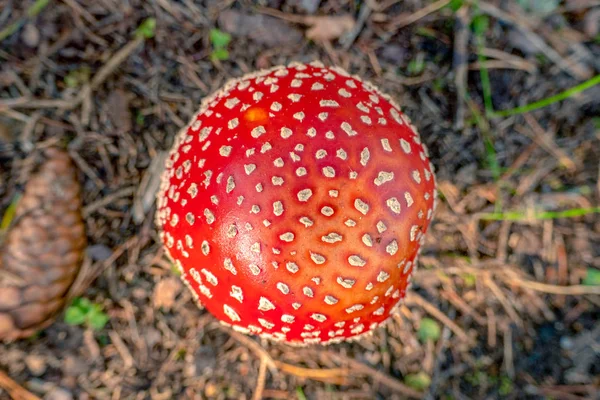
[
  {"x": 165, "y": 293},
  {"x": 328, "y": 28}
]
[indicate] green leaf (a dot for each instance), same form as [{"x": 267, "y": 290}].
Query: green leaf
[
  {"x": 147, "y": 28},
  {"x": 480, "y": 24},
  {"x": 220, "y": 54},
  {"x": 455, "y": 5},
  {"x": 219, "y": 39},
  {"x": 428, "y": 330},
  {"x": 419, "y": 381},
  {"x": 74, "y": 316},
  {"x": 592, "y": 277},
  {"x": 97, "y": 319}
]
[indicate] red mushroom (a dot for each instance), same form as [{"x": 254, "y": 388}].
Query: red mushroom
[{"x": 295, "y": 204}]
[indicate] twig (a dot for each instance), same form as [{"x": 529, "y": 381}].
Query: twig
[
  {"x": 535, "y": 39},
  {"x": 504, "y": 301},
  {"x": 359, "y": 368},
  {"x": 15, "y": 391},
  {"x": 348, "y": 39},
  {"x": 338, "y": 376},
  {"x": 403, "y": 21},
  {"x": 96, "y": 205},
  {"x": 103, "y": 73},
  {"x": 509, "y": 364},
  {"x": 260, "y": 383},
  {"x": 415, "y": 299},
  {"x": 252, "y": 345},
  {"x": 461, "y": 39},
  {"x": 32, "y": 11},
  {"x": 545, "y": 141}
]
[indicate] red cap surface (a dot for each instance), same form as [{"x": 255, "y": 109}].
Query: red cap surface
[{"x": 295, "y": 203}]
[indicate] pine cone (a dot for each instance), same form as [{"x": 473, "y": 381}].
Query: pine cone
[{"x": 43, "y": 249}]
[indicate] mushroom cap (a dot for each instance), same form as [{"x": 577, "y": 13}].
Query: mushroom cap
[{"x": 295, "y": 204}]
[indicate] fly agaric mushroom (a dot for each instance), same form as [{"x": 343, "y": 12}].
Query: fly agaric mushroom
[{"x": 295, "y": 204}]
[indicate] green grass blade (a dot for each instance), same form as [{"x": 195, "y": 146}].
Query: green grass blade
[
  {"x": 550, "y": 100},
  {"x": 522, "y": 216}
]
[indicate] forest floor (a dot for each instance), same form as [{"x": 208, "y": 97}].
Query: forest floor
[{"x": 510, "y": 269}]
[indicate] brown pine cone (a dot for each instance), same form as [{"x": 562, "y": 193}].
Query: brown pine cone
[{"x": 43, "y": 249}]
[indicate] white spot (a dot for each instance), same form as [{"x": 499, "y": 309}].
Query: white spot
[
  {"x": 329, "y": 135},
  {"x": 259, "y": 187},
  {"x": 258, "y": 132},
  {"x": 320, "y": 154},
  {"x": 416, "y": 175},
  {"x": 329, "y": 172},
  {"x": 279, "y": 162},
  {"x": 265, "y": 323},
  {"x": 383, "y": 177},
  {"x": 287, "y": 318},
  {"x": 264, "y": 304},
  {"x": 265, "y": 147},
  {"x": 341, "y": 153},
  {"x": 317, "y": 258},
  {"x": 329, "y": 299},
  {"x": 328, "y": 103},
  {"x": 230, "y": 312},
  {"x": 366, "y": 119},
  {"x": 278, "y": 208},
  {"x": 356, "y": 261},
  {"x": 361, "y": 206},
  {"x": 229, "y": 266},
  {"x": 286, "y": 132},
  {"x": 356, "y": 307},
  {"x": 350, "y": 222},
  {"x": 332, "y": 237},
  {"x": 405, "y": 146},
  {"x": 205, "y": 247},
  {"x": 294, "y": 97},
  {"x": 385, "y": 143},
  {"x": 296, "y": 305},
  {"x": 236, "y": 293},
  {"x": 277, "y": 180},
  {"x": 230, "y": 103},
  {"x": 307, "y": 291},
  {"x": 255, "y": 269},
  {"x": 210, "y": 217},
  {"x": 413, "y": 232},
  {"x": 255, "y": 247},
  {"x": 323, "y": 116},
  {"x": 381, "y": 227},
  {"x": 366, "y": 239},
  {"x": 232, "y": 124},
  {"x": 292, "y": 267},
  {"x": 287, "y": 237},
  {"x": 312, "y": 132},
  {"x": 333, "y": 193},
  {"x": 283, "y": 288},
  {"x": 408, "y": 198},
  {"x": 364, "y": 156},
  {"x": 316, "y": 86},
  {"x": 301, "y": 171},
  {"x": 327, "y": 211},
  {"x": 256, "y": 96},
  {"x": 348, "y": 129},
  {"x": 232, "y": 231},
  {"x": 344, "y": 93},
  {"x": 393, "y": 205},
  {"x": 249, "y": 168},
  {"x": 318, "y": 317},
  {"x": 306, "y": 221},
  {"x": 304, "y": 195},
  {"x": 392, "y": 248},
  {"x": 276, "y": 106},
  {"x": 225, "y": 151},
  {"x": 383, "y": 276},
  {"x": 299, "y": 116}
]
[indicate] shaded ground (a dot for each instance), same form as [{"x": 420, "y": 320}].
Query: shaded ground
[{"x": 516, "y": 321}]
